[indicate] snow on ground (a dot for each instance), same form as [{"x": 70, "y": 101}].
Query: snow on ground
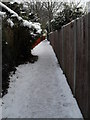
[
  {"x": 0, "y": 108},
  {"x": 40, "y": 90}
]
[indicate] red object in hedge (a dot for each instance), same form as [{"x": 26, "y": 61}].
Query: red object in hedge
[{"x": 40, "y": 39}]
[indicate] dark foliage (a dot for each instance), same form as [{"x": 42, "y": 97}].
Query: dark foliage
[
  {"x": 68, "y": 13},
  {"x": 17, "y": 42}
]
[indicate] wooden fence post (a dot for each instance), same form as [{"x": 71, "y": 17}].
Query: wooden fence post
[
  {"x": 82, "y": 65},
  {"x": 63, "y": 48},
  {"x": 75, "y": 37},
  {"x": 89, "y": 65},
  {"x": 0, "y": 54}
]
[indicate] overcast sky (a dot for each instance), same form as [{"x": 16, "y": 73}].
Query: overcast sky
[
  {"x": 79, "y": 0},
  {"x": 46, "y": 0},
  {"x": 82, "y": 1}
]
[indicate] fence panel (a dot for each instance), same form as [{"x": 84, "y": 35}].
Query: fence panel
[
  {"x": 89, "y": 65},
  {"x": 70, "y": 69},
  {"x": 60, "y": 47},
  {"x": 55, "y": 41},
  {"x": 50, "y": 38},
  {"x": 82, "y": 65},
  {"x": 68, "y": 37},
  {"x": 72, "y": 47}
]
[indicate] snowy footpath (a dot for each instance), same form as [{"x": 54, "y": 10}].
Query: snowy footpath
[{"x": 40, "y": 90}]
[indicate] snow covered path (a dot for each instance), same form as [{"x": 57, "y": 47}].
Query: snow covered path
[{"x": 40, "y": 90}]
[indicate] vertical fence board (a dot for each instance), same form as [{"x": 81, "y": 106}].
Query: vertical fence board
[
  {"x": 69, "y": 54},
  {"x": 81, "y": 66},
  {"x": 65, "y": 55},
  {"x": 56, "y": 37},
  {"x": 89, "y": 65},
  {"x": 70, "y": 69},
  {"x": 60, "y": 47},
  {"x": 63, "y": 48},
  {"x": 75, "y": 37},
  {"x": 56, "y": 44},
  {"x": 52, "y": 40}
]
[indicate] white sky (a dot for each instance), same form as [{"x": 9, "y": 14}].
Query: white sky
[
  {"x": 82, "y": 1},
  {"x": 56, "y": 0}
]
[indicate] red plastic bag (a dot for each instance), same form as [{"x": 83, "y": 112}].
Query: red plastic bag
[{"x": 38, "y": 41}]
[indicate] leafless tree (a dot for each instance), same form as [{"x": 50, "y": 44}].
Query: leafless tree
[{"x": 44, "y": 9}]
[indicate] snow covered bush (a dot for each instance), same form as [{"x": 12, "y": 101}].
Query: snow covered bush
[
  {"x": 22, "y": 32},
  {"x": 19, "y": 33},
  {"x": 67, "y": 13}
]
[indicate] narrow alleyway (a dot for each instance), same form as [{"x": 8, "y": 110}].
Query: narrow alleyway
[{"x": 40, "y": 90}]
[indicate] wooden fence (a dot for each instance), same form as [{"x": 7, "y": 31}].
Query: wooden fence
[{"x": 72, "y": 47}]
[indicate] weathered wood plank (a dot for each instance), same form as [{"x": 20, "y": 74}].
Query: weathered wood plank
[
  {"x": 60, "y": 46},
  {"x": 89, "y": 65},
  {"x": 82, "y": 66}
]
